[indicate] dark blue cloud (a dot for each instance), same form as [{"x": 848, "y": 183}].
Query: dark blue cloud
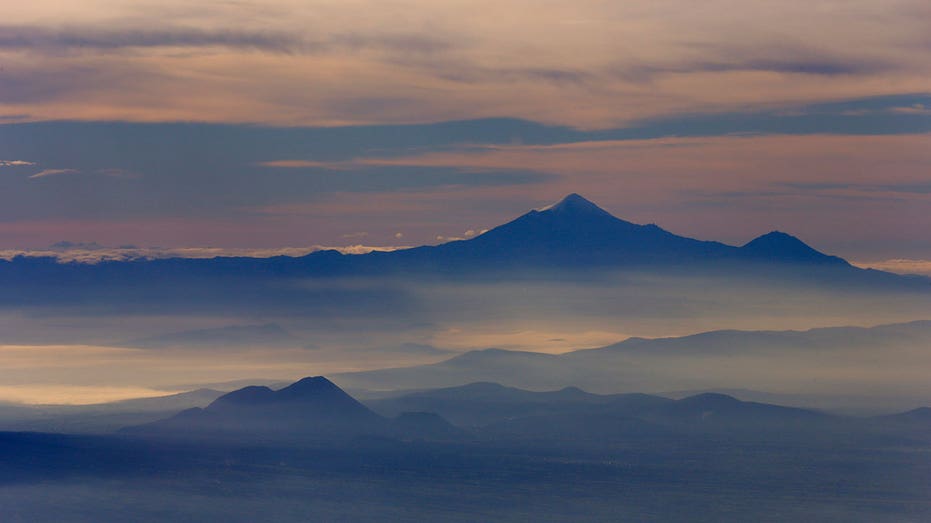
[
  {"x": 904, "y": 188},
  {"x": 116, "y": 169},
  {"x": 44, "y": 39},
  {"x": 865, "y": 116}
]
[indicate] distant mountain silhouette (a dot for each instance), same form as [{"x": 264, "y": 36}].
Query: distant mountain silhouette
[
  {"x": 620, "y": 419},
  {"x": 314, "y": 410},
  {"x": 721, "y": 408},
  {"x": 571, "y": 235},
  {"x": 780, "y": 247},
  {"x": 643, "y": 364},
  {"x": 311, "y": 409},
  {"x": 571, "y": 232},
  {"x": 919, "y": 418},
  {"x": 482, "y": 403}
]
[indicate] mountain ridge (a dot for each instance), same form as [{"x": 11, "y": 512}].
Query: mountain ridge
[
  {"x": 653, "y": 365},
  {"x": 569, "y": 239},
  {"x": 312, "y": 409}
]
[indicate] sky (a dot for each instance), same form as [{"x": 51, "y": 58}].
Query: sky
[{"x": 281, "y": 125}]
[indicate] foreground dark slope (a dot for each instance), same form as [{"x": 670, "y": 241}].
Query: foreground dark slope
[
  {"x": 59, "y": 479},
  {"x": 563, "y": 455}
]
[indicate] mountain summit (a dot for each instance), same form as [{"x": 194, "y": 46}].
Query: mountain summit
[
  {"x": 777, "y": 246},
  {"x": 310, "y": 410},
  {"x": 575, "y": 205},
  {"x": 313, "y": 407},
  {"x": 571, "y": 235},
  {"x": 573, "y": 232}
]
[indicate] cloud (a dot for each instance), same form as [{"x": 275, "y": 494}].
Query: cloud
[
  {"x": 900, "y": 266},
  {"x": 35, "y": 38},
  {"x": 78, "y": 38},
  {"x": 774, "y": 58},
  {"x": 52, "y": 172},
  {"x": 92, "y": 252},
  {"x": 421, "y": 61},
  {"x": 445, "y": 178},
  {"x": 917, "y": 188},
  {"x": 56, "y": 394},
  {"x": 917, "y": 108},
  {"x": 15, "y": 163},
  {"x": 299, "y": 164},
  {"x": 109, "y": 172}
]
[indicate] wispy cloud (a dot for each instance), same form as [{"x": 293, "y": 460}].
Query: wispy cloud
[
  {"x": 91, "y": 252},
  {"x": 52, "y": 172},
  {"x": 303, "y": 164},
  {"x": 109, "y": 172},
  {"x": 918, "y": 188},
  {"x": 900, "y": 266},
  {"x": 15, "y": 163},
  {"x": 437, "y": 61},
  {"x": 38, "y": 38},
  {"x": 772, "y": 57},
  {"x": 76, "y": 38}
]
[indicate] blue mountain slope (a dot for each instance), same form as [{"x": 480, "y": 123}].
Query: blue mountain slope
[
  {"x": 780, "y": 247},
  {"x": 571, "y": 236},
  {"x": 311, "y": 409},
  {"x": 573, "y": 232},
  {"x": 636, "y": 363}
]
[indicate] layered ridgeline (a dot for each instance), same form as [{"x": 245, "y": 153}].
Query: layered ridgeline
[
  {"x": 311, "y": 409},
  {"x": 315, "y": 411},
  {"x": 823, "y": 367},
  {"x": 573, "y": 234}
]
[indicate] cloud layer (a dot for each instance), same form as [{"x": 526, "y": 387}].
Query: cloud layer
[
  {"x": 719, "y": 120},
  {"x": 585, "y": 63}
]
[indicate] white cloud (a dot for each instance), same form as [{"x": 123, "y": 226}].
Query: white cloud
[
  {"x": 15, "y": 163},
  {"x": 899, "y": 266},
  {"x": 89, "y": 252},
  {"x": 52, "y": 172}
]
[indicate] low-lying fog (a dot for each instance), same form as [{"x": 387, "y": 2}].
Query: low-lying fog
[{"x": 126, "y": 346}]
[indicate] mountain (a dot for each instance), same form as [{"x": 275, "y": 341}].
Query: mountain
[
  {"x": 571, "y": 234},
  {"x": 571, "y": 417},
  {"x": 618, "y": 419},
  {"x": 516, "y": 368},
  {"x": 483, "y": 403},
  {"x": 780, "y": 247},
  {"x": 315, "y": 410},
  {"x": 830, "y": 357},
  {"x": 312, "y": 409}
]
